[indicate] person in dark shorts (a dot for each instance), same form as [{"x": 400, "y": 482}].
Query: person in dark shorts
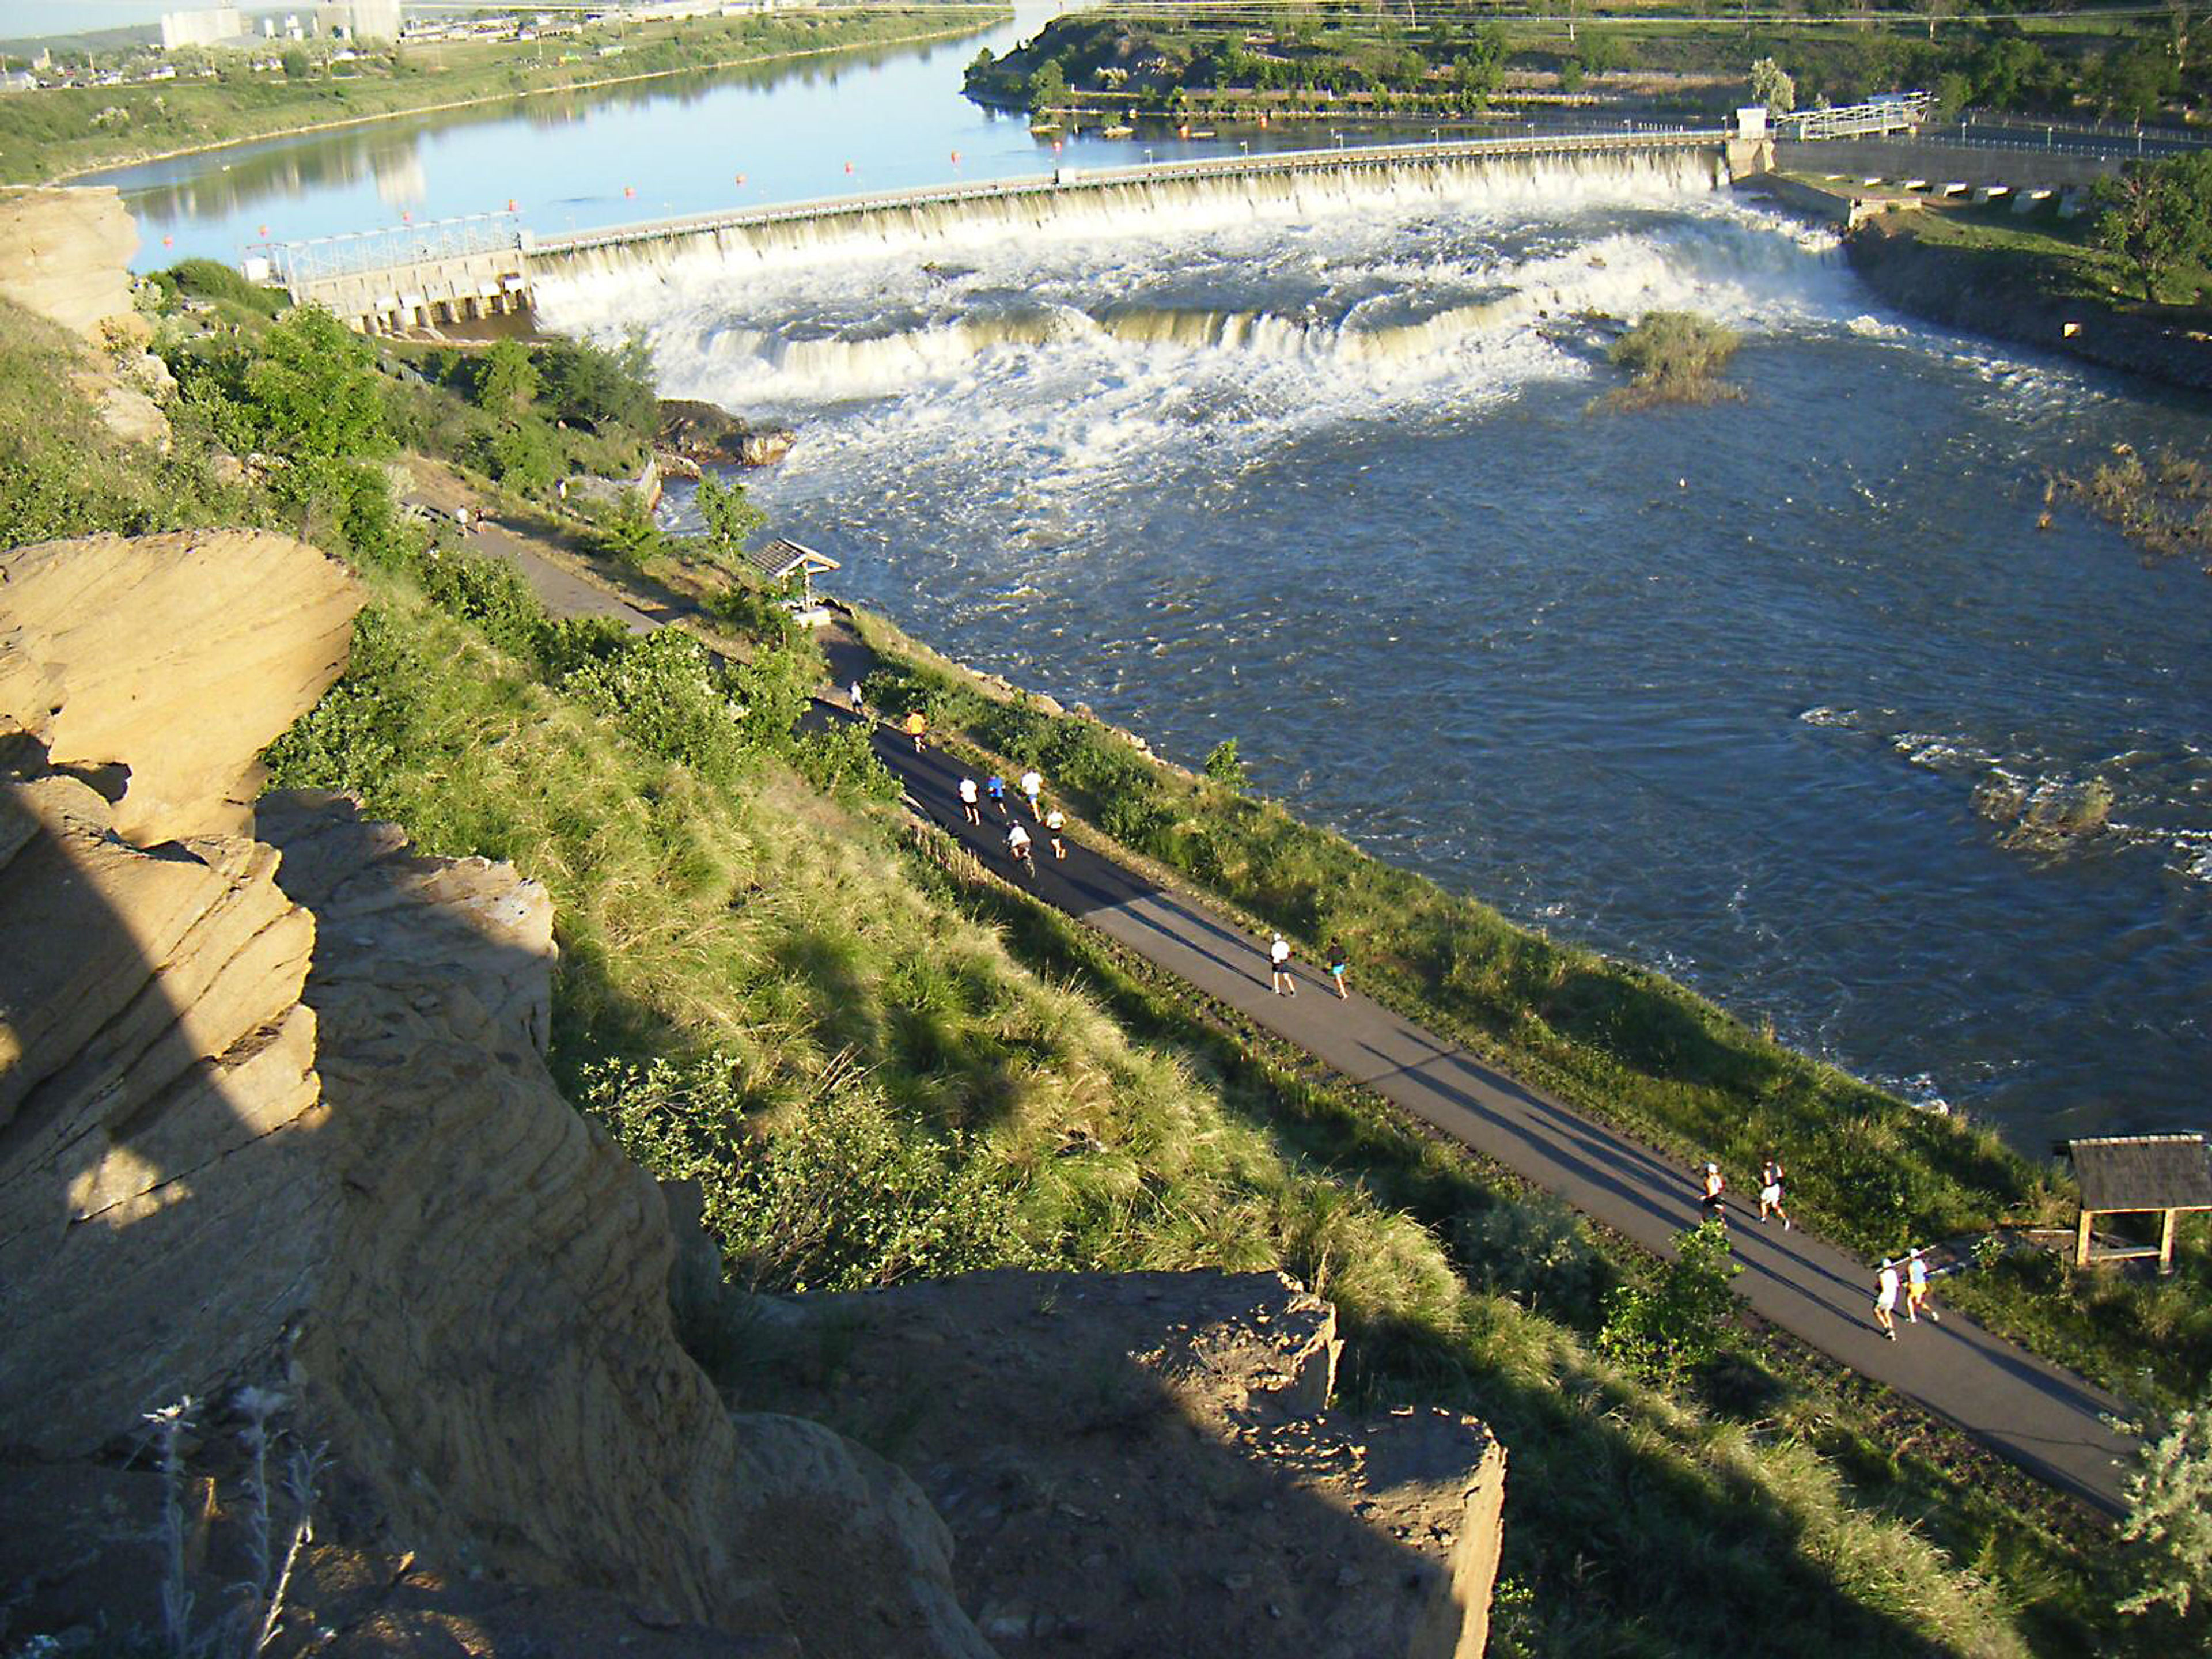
[
  {"x": 1716, "y": 1183},
  {"x": 995, "y": 788},
  {"x": 1338, "y": 965},
  {"x": 968, "y": 800},
  {"x": 1055, "y": 826}
]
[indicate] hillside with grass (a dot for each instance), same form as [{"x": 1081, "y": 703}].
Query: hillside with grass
[{"x": 881, "y": 1064}]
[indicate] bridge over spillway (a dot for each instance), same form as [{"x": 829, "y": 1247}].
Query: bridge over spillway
[{"x": 457, "y": 271}]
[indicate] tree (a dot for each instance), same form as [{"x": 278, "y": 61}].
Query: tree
[
  {"x": 297, "y": 64},
  {"x": 1048, "y": 87},
  {"x": 2167, "y": 1536},
  {"x": 2157, "y": 215},
  {"x": 1672, "y": 1321},
  {"x": 1773, "y": 88},
  {"x": 731, "y": 518},
  {"x": 1223, "y": 766},
  {"x": 508, "y": 385},
  {"x": 313, "y": 393}
]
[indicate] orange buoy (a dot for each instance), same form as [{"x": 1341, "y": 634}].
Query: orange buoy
[
  {"x": 1183, "y": 132},
  {"x": 1263, "y": 118},
  {"x": 629, "y": 189},
  {"x": 406, "y": 218},
  {"x": 848, "y": 166},
  {"x": 956, "y": 158},
  {"x": 741, "y": 178},
  {"x": 1055, "y": 147},
  {"x": 264, "y": 230},
  {"x": 512, "y": 206},
  {"x": 168, "y": 242}
]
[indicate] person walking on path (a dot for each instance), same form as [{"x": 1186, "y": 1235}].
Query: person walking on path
[
  {"x": 1885, "y": 1298},
  {"x": 1056, "y": 822},
  {"x": 1716, "y": 1183},
  {"x": 995, "y": 788},
  {"x": 1770, "y": 1190},
  {"x": 968, "y": 801},
  {"x": 1916, "y": 1287},
  {"x": 859, "y": 707},
  {"x": 1338, "y": 966},
  {"x": 1017, "y": 847},
  {"x": 1033, "y": 786},
  {"x": 1279, "y": 957},
  {"x": 916, "y": 727}
]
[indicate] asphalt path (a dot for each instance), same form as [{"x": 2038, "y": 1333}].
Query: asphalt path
[
  {"x": 2044, "y": 1419},
  {"x": 2049, "y": 1421}
]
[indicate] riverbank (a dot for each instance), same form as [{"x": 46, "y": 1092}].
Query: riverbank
[
  {"x": 57, "y": 137},
  {"x": 2045, "y": 287}
]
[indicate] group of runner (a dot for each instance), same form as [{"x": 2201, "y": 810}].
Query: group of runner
[
  {"x": 1019, "y": 846},
  {"x": 1912, "y": 1269}
]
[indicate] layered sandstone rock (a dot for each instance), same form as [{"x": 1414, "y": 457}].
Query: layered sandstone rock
[
  {"x": 275, "y": 1112},
  {"x": 1147, "y": 1463},
  {"x": 183, "y": 656},
  {"x": 65, "y": 253}
]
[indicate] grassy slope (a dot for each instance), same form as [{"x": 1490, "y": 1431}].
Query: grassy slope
[
  {"x": 75, "y": 130},
  {"x": 805, "y": 974}
]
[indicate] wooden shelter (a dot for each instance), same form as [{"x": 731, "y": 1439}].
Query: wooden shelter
[
  {"x": 2139, "y": 1175},
  {"x": 781, "y": 560}
]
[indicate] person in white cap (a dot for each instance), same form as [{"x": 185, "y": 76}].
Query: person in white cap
[
  {"x": 1278, "y": 956},
  {"x": 1916, "y": 1287},
  {"x": 1885, "y": 1298},
  {"x": 1715, "y": 1184}
]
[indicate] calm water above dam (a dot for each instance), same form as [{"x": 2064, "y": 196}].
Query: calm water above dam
[{"x": 1709, "y": 688}]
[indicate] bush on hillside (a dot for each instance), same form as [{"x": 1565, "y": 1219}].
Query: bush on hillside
[{"x": 1673, "y": 356}]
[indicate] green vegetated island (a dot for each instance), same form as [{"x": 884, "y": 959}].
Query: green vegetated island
[
  {"x": 881, "y": 1064},
  {"x": 221, "y": 96}
]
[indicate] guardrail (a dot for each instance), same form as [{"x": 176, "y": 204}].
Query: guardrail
[{"x": 1280, "y": 162}]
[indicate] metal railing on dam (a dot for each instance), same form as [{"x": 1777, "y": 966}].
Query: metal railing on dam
[{"x": 1274, "y": 164}]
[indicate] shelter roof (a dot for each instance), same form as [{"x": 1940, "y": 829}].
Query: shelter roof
[
  {"x": 781, "y": 558},
  {"x": 2143, "y": 1172}
]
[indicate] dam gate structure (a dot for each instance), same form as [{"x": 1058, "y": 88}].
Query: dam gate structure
[{"x": 421, "y": 276}]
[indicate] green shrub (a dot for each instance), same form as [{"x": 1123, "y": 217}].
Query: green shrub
[
  {"x": 663, "y": 691},
  {"x": 1672, "y": 1322}
]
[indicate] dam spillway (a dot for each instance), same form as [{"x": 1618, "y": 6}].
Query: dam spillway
[{"x": 378, "y": 284}]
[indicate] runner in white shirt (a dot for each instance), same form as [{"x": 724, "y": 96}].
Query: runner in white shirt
[
  {"x": 1055, "y": 822},
  {"x": 1017, "y": 844},
  {"x": 1916, "y": 1287},
  {"x": 1885, "y": 1298},
  {"x": 968, "y": 801},
  {"x": 1033, "y": 786},
  {"x": 1770, "y": 1191},
  {"x": 1278, "y": 956}
]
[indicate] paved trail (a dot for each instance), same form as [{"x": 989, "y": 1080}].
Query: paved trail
[
  {"x": 2042, "y": 1417},
  {"x": 2047, "y": 1419}
]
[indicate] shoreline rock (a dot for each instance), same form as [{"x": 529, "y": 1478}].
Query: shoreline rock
[{"x": 700, "y": 432}]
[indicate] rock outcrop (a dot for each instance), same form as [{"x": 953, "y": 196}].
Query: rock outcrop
[
  {"x": 1147, "y": 1463},
  {"x": 700, "y": 432},
  {"x": 273, "y": 1112},
  {"x": 65, "y": 253},
  {"x": 183, "y": 656}
]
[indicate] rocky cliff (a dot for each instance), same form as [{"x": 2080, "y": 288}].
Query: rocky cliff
[
  {"x": 65, "y": 253},
  {"x": 274, "y": 1114}
]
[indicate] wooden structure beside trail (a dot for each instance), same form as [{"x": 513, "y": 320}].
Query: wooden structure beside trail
[{"x": 2139, "y": 1175}]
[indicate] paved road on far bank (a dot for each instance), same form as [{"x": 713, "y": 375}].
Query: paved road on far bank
[{"x": 2047, "y": 1419}]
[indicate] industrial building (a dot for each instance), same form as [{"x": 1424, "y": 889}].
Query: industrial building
[{"x": 203, "y": 25}]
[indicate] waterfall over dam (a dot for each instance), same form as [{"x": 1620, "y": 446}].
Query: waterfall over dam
[
  {"x": 403, "y": 278},
  {"x": 1309, "y": 184}
]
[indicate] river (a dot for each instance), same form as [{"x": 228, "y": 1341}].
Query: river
[{"x": 1709, "y": 688}]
